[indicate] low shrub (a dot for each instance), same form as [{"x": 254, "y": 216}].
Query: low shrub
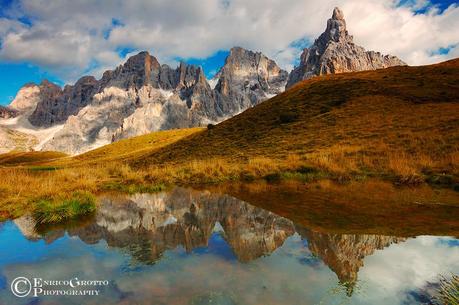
[
  {"x": 288, "y": 117},
  {"x": 273, "y": 178}
]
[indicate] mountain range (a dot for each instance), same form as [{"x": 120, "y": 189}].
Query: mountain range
[{"x": 142, "y": 95}]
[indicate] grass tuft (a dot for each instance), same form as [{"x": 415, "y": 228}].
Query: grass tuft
[
  {"x": 448, "y": 292},
  {"x": 52, "y": 211}
]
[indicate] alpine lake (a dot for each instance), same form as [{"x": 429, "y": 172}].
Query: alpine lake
[{"x": 259, "y": 243}]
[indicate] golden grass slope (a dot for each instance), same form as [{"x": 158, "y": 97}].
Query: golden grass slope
[
  {"x": 135, "y": 148},
  {"x": 20, "y": 158},
  {"x": 406, "y": 111}
]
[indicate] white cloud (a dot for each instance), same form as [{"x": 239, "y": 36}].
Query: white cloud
[
  {"x": 68, "y": 37},
  {"x": 392, "y": 273}
]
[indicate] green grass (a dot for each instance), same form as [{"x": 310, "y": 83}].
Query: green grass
[
  {"x": 133, "y": 188},
  {"x": 42, "y": 168},
  {"x": 52, "y": 211}
]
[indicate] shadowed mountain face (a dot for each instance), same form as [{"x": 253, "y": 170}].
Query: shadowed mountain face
[
  {"x": 55, "y": 105},
  {"x": 335, "y": 52},
  {"x": 146, "y": 225}
]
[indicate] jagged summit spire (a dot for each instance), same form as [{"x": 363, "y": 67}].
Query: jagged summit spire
[
  {"x": 336, "y": 27},
  {"x": 338, "y": 14}
]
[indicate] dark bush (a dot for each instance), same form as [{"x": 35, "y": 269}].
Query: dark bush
[
  {"x": 336, "y": 103},
  {"x": 440, "y": 179},
  {"x": 306, "y": 170},
  {"x": 247, "y": 176},
  {"x": 288, "y": 117},
  {"x": 210, "y": 126},
  {"x": 273, "y": 178}
]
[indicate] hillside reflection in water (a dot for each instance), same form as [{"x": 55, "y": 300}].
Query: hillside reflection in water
[{"x": 197, "y": 247}]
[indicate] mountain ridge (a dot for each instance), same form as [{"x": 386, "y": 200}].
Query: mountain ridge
[{"x": 142, "y": 95}]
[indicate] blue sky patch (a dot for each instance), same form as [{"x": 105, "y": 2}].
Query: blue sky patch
[
  {"x": 123, "y": 51},
  {"x": 441, "y": 5},
  {"x": 443, "y": 51},
  {"x": 15, "y": 75},
  {"x": 211, "y": 64},
  {"x": 115, "y": 23}
]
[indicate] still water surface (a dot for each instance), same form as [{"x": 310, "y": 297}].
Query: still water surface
[{"x": 198, "y": 247}]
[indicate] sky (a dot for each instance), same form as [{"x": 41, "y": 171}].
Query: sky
[{"x": 62, "y": 40}]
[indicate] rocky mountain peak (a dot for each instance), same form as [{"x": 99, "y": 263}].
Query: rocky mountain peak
[
  {"x": 138, "y": 61},
  {"x": 239, "y": 53},
  {"x": 250, "y": 74},
  {"x": 137, "y": 71},
  {"x": 336, "y": 27},
  {"x": 47, "y": 85},
  {"x": 335, "y": 52},
  {"x": 141, "y": 96},
  {"x": 189, "y": 75},
  {"x": 26, "y": 99},
  {"x": 242, "y": 61}
]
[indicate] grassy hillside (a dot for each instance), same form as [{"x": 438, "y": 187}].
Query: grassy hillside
[
  {"x": 134, "y": 148},
  {"x": 401, "y": 113},
  {"x": 400, "y": 124},
  {"x": 19, "y": 158}
]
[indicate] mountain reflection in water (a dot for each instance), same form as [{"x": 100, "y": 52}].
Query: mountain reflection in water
[{"x": 144, "y": 227}]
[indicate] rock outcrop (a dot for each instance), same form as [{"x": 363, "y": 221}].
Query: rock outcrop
[
  {"x": 56, "y": 105},
  {"x": 335, "y": 52},
  {"x": 246, "y": 79},
  {"x": 7, "y": 113},
  {"x": 26, "y": 99}
]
